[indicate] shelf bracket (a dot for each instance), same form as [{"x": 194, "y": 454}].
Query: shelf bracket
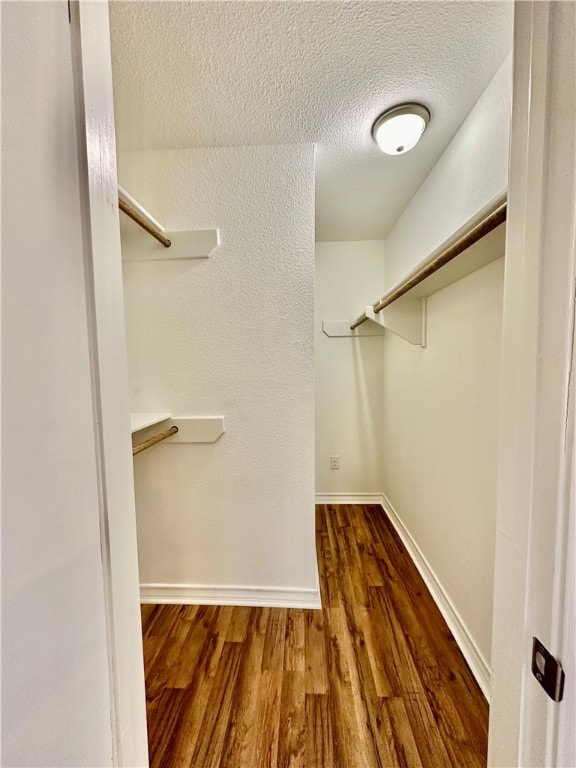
[
  {"x": 405, "y": 318},
  {"x": 337, "y": 329},
  {"x": 167, "y": 246}
]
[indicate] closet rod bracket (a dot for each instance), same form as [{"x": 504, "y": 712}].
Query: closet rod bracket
[{"x": 405, "y": 318}]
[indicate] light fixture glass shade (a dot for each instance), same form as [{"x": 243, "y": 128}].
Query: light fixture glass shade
[{"x": 399, "y": 130}]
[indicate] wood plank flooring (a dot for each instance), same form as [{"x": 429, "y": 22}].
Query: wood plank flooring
[{"x": 374, "y": 679}]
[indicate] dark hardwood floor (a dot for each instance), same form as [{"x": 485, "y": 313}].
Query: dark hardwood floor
[{"x": 374, "y": 679}]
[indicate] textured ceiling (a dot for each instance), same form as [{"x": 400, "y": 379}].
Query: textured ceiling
[{"x": 200, "y": 74}]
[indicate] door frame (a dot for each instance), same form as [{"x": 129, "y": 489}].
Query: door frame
[
  {"x": 535, "y": 466},
  {"x": 94, "y": 104}
]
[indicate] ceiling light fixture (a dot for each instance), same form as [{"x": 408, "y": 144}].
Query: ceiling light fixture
[{"x": 399, "y": 129}]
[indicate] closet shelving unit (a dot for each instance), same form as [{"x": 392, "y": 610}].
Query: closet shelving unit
[
  {"x": 402, "y": 309},
  {"x": 139, "y": 421},
  {"x": 163, "y": 245}
]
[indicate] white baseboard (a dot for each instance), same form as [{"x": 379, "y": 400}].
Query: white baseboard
[
  {"x": 476, "y": 661},
  {"x": 349, "y": 498},
  {"x": 201, "y": 594}
]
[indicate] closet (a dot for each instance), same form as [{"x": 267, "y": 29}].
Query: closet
[
  {"x": 406, "y": 396},
  {"x": 136, "y": 246}
]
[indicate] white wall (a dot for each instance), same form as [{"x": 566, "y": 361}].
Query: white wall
[
  {"x": 470, "y": 173},
  {"x": 348, "y": 370},
  {"x": 229, "y": 336},
  {"x": 55, "y": 680},
  {"x": 440, "y": 440},
  {"x": 441, "y": 402}
]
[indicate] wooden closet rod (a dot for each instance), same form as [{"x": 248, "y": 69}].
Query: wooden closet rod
[
  {"x": 441, "y": 256},
  {"x": 141, "y": 221},
  {"x": 153, "y": 440}
]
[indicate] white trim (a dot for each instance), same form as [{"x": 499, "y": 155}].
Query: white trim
[
  {"x": 92, "y": 70},
  {"x": 475, "y": 659},
  {"x": 349, "y": 498},
  {"x": 535, "y": 460},
  {"x": 211, "y": 594}
]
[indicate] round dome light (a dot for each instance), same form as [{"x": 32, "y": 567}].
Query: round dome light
[{"x": 398, "y": 130}]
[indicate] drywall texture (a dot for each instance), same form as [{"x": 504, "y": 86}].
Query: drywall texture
[
  {"x": 324, "y": 72},
  {"x": 348, "y": 370},
  {"x": 55, "y": 680},
  {"x": 231, "y": 335},
  {"x": 472, "y": 171},
  {"x": 441, "y": 403},
  {"x": 440, "y": 434}
]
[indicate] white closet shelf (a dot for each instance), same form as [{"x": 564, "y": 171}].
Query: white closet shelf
[
  {"x": 140, "y": 421},
  {"x": 490, "y": 248},
  {"x": 197, "y": 429},
  {"x": 191, "y": 429},
  {"x": 403, "y": 309},
  {"x": 139, "y": 245}
]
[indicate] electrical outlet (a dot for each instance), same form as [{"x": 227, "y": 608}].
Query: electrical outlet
[{"x": 334, "y": 462}]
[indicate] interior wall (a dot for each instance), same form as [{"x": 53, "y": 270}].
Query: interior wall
[
  {"x": 440, "y": 440},
  {"x": 348, "y": 370},
  {"x": 469, "y": 174},
  {"x": 56, "y": 701},
  {"x": 441, "y": 403},
  {"x": 232, "y": 336}
]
